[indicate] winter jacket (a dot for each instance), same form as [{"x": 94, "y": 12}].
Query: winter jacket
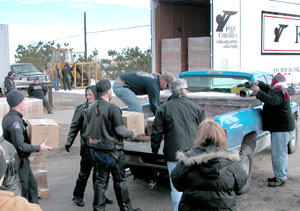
[
  {"x": 79, "y": 123},
  {"x": 37, "y": 90},
  {"x": 103, "y": 117},
  {"x": 209, "y": 179},
  {"x": 11, "y": 180},
  {"x": 9, "y": 84},
  {"x": 142, "y": 83},
  {"x": 9, "y": 202},
  {"x": 177, "y": 120},
  {"x": 276, "y": 114},
  {"x": 15, "y": 132}
]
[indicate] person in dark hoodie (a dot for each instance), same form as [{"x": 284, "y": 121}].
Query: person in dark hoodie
[
  {"x": 9, "y": 83},
  {"x": 208, "y": 175},
  {"x": 86, "y": 164}
]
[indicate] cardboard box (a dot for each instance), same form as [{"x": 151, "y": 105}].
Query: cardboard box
[
  {"x": 134, "y": 120},
  {"x": 33, "y": 108},
  {"x": 37, "y": 158},
  {"x": 174, "y": 55},
  {"x": 198, "y": 53},
  {"x": 43, "y": 129},
  {"x": 44, "y": 193},
  {"x": 40, "y": 174},
  {"x": 150, "y": 121}
]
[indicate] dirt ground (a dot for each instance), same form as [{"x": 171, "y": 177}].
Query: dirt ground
[{"x": 259, "y": 195}]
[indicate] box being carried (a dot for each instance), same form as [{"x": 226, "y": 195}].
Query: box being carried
[
  {"x": 43, "y": 129},
  {"x": 134, "y": 120}
]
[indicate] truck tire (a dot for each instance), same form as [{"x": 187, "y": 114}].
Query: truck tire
[
  {"x": 246, "y": 155},
  {"x": 293, "y": 143}
]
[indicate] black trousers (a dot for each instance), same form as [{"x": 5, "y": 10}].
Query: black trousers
[
  {"x": 120, "y": 188},
  {"x": 66, "y": 82},
  {"x": 86, "y": 166},
  {"x": 28, "y": 182}
]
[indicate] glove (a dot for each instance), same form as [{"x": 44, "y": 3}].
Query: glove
[{"x": 67, "y": 147}]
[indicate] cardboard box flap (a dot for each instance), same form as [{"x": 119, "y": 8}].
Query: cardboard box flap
[{"x": 42, "y": 122}]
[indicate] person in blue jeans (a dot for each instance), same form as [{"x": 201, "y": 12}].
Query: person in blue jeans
[
  {"x": 128, "y": 85},
  {"x": 277, "y": 118},
  {"x": 176, "y": 121},
  {"x": 56, "y": 77}
]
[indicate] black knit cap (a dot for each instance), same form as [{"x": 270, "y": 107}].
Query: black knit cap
[
  {"x": 14, "y": 98},
  {"x": 2, "y": 164},
  {"x": 103, "y": 86}
]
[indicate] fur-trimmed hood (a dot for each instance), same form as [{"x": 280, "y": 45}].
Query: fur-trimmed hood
[
  {"x": 204, "y": 158},
  {"x": 209, "y": 161}
]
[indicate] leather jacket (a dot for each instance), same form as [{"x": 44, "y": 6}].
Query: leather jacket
[{"x": 11, "y": 180}]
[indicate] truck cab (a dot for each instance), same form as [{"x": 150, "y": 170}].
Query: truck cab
[{"x": 27, "y": 72}]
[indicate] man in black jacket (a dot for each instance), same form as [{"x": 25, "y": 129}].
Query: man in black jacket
[
  {"x": 277, "y": 118},
  {"x": 106, "y": 131},
  {"x": 15, "y": 132},
  {"x": 9, "y": 83},
  {"x": 37, "y": 90},
  {"x": 177, "y": 120},
  {"x": 79, "y": 123},
  {"x": 65, "y": 74}
]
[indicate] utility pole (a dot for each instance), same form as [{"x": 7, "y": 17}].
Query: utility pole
[{"x": 85, "y": 45}]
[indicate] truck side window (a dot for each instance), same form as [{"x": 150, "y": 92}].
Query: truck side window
[
  {"x": 262, "y": 78},
  {"x": 269, "y": 78}
]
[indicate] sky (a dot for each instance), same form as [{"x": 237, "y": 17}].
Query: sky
[{"x": 62, "y": 21}]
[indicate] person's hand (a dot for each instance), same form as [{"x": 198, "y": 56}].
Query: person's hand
[
  {"x": 67, "y": 147},
  {"x": 44, "y": 147},
  {"x": 134, "y": 133},
  {"x": 255, "y": 87}
]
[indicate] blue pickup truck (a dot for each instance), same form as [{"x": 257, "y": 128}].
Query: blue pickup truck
[{"x": 220, "y": 93}]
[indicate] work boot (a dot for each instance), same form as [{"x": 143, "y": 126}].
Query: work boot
[{"x": 78, "y": 201}]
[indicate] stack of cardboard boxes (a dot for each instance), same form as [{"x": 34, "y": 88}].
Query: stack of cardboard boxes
[
  {"x": 39, "y": 129},
  {"x": 185, "y": 54}
]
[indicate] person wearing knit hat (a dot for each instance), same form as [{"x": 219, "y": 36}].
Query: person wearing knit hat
[
  {"x": 14, "y": 98},
  {"x": 14, "y": 131},
  {"x": 106, "y": 131},
  {"x": 9, "y": 83},
  {"x": 131, "y": 84},
  {"x": 79, "y": 123},
  {"x": 277, "y": 118}
]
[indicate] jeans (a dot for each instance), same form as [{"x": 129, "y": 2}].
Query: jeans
[
  {"x": 127, "y": 96},
  {"x": 176, "y": 196},
  {"x": 279, "y": 151},
  {"x": 56, "y": 84}
]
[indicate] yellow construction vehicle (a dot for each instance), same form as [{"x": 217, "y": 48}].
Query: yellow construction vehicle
[{"x": 81, "y": 72}]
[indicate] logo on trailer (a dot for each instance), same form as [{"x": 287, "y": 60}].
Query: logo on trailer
[
  {"x": 223, "y": 19},
  {"x": 278, "y": 31}
]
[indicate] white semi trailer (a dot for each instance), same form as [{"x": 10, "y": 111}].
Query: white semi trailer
[
  {"x": 261, "y": 35},
  {"x": 4, "y": 53}
]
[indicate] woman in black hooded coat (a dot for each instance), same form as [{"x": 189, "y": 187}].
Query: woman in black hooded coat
[{"x": 208, "y": 175}]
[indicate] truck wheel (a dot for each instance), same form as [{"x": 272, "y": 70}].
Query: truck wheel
[
  {"x": 292, "y": 145},
  {"x": 246, "y": 155}
]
